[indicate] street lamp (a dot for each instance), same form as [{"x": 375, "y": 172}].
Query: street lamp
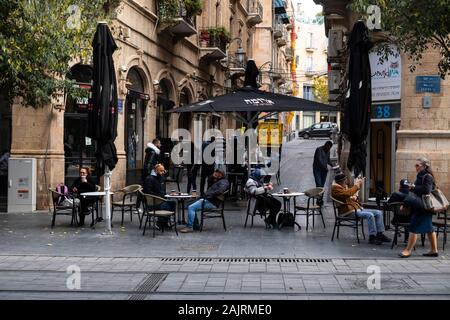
[
  {"x": 269, "y": 63},
  {"x": 239, "y": 55}
]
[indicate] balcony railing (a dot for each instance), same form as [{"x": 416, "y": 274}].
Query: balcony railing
[
  {"x": 213, "y": 47},
  {"x": 289, "y": 53},
  {"x": 255, "y": 12},
  {"x": 182, "y": 25}
]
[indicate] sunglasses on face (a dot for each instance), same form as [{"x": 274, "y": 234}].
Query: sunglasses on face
[{"x": 417, "y": 165}]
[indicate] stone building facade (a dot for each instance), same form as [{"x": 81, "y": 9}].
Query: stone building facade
[
  {"x": 420, "y": 130},
  {"x": 158, "y": 66}
]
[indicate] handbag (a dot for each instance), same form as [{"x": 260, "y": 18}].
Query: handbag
[{"x": 435, "y": 201}]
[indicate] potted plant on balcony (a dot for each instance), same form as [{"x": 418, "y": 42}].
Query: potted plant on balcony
[
  {"x": 168, "y": 10},
  {"x": 204, "y": 38},
  {"x": 193, "y": 7},
  {"x": 219, "y": 33}
]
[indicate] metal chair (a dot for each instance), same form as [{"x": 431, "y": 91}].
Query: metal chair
[
  {"x": 214, "y": 213},
  {"x": 440, "y": 221},
  {"x": 312, "y": 207},
  {"x": 346, "y": 219},
  {"x": 127, "y": 202},
  {"x": 151, "y": 202},
  {"x": 177, "y": 177},
  {"x": 255, "y": 211},
  {"x": 400, "y": 220},
  {"x": 58, "y": 208}
]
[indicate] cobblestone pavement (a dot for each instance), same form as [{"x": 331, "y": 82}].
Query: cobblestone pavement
[{"x": 250, "y": 263}]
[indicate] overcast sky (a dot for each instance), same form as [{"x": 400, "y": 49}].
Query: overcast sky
[{"x": 310, "y": 9}]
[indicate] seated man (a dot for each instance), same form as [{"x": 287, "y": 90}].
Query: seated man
[
  {"x": 155, "y": 184},
  {"x": 340, "y": 191},
  {"x": 264, "y": 202},
  {"x": 218, "y": 185}
]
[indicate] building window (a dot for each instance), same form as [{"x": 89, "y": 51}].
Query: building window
[
  {"x": 309, "y": 40},
  {"x": 308, "y": 92},
  {"x": 309, "y": 64}
]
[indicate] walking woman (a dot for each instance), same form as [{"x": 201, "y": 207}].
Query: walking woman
[{"x": 421, "y": 220}]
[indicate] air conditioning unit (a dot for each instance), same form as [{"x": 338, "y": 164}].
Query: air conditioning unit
[
  {"x": 335, "y": 42},
  {"x": 334, "y": 79}
]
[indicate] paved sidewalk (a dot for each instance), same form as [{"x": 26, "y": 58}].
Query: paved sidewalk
[{"x": 240, "y": 263}]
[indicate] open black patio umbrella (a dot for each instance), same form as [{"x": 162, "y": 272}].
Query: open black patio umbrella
[
  {"x": 251, "y": 102},
  {"x": 357, "y": 106},
  {"x": 102, "y": 121}
]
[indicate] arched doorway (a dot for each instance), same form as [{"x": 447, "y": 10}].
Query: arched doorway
[
  {"x": 163, "y": 103},
  {"x": 5, "y": 149},
  {"x": 184, "y": 119},
  {"x": 79, "y": 150},
  {"x": 135, "y": 112}
]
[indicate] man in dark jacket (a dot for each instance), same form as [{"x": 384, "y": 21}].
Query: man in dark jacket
[
  {"x": 321, "y": 160},
  {"x": 212, "y": 200},
  {"x": 155, "y": 184}
]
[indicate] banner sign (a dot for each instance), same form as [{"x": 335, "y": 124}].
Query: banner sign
[{"x": 386, "y": 77}]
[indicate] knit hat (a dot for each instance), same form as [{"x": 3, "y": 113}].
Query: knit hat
[{"x": 340, "y": 177}]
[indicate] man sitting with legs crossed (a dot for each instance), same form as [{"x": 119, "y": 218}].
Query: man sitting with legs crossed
[
  {"x": 341, "y": 192},
  {"x": 218, "y": 185}
]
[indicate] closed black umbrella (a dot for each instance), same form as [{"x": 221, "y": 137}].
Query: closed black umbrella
[
  {"x": 102, "y": 123},
  {"x": 103, "y": 115},
  {"x": 357, "y": 106}
]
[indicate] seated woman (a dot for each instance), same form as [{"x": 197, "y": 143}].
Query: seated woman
[
  {"x": 84, "y": 183},
  {"x": 263, "y": 202}
]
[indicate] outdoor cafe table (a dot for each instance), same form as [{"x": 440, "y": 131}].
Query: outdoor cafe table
[
  {"x": 287, "y": 204},
  {"x": 386, "y": 211},
  {"x": 97, "y": 195},
  {"x": 180, "y": 198}
]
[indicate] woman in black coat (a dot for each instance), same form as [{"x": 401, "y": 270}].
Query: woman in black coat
[
  {"x": 421, "y": 220},
  {"x": 84, "y": 183}
]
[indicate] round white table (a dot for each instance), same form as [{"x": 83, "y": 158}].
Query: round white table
[
  {"x": 287, "y": 205},
  {"x": 96, "y": 194},
  {"x": 180, "y": 198}
]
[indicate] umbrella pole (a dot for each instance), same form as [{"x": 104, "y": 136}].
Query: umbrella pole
[{"x": 107, "y": 186}]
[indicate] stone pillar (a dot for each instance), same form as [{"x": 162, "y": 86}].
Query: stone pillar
[
  {"x": 38, "y": 133},
  {"x": 424, "y": 132}
]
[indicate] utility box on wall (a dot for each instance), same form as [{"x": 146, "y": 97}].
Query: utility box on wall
[{"x": 21, "y": 185}]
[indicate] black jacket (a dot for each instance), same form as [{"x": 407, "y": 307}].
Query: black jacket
[
  {"x": 321, "y": 159},
  {"x": 155, "y": 185},
  {"x": 216, "y": 190},
  {"x": 88, "y": 186},
  {"x": 152, "y": 157}
]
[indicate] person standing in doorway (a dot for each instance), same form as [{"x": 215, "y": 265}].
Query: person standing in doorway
[{"x": 321, "y": 162}]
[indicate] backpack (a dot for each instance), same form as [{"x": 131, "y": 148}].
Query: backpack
[
  {"x": 64, "y": 190},
  {"x": 286, "y": 218}
]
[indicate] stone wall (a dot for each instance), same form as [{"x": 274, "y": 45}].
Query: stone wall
[{"x": 424, "y": 132}]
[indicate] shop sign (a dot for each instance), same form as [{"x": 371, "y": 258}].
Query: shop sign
[
  {"x": 385, "y": 111},
  {"x": 386, "y": 77},
  {"x": 430, "y": 84}
]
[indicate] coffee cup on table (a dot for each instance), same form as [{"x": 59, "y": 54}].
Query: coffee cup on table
[
  {"x": 194, "y": 193},
  {"x": 173, "y": 192},
  {"x": 285, "y": 190}
]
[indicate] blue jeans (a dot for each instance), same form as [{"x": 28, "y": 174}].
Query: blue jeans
[
  {"x": 197, "y": 206},
  {"x": 374, "y": 218},
  {"x": 320, "y": 177}
]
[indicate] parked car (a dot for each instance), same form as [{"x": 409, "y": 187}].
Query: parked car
[{"x": 321, "y": 129}]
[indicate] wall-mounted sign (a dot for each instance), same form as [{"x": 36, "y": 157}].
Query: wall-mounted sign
[
  {"x": 430, "y": 84},
  {"x": 385, "y": 111},
  {"x": 386, "y": 77}
]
